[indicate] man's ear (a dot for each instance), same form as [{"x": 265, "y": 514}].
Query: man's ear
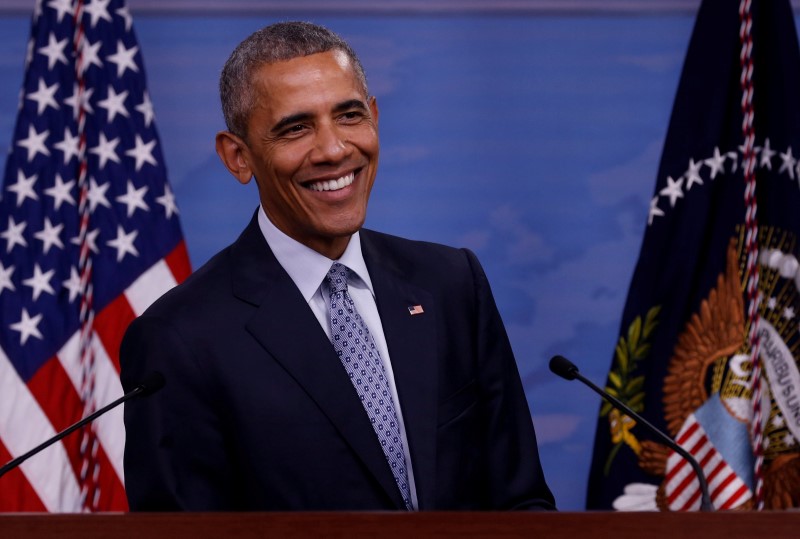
[
  {"x": 373, "y": 108},
  {"x": 232, "y": 150}
]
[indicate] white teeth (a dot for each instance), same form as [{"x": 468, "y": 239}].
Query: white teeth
[{"x": 333, "y": 185}]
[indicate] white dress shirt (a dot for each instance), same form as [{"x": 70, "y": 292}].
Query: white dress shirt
[{"x": 308, "y": 269}]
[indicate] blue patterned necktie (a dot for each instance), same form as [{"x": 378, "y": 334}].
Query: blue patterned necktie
[{"x": 359, "y": 355}]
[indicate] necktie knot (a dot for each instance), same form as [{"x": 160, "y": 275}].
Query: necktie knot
[{"x": 337, "y": 277}]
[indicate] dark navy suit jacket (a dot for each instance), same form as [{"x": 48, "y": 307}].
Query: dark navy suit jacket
[{"x": 259, "y": 414}]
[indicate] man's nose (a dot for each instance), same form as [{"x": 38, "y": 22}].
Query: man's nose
[{"x": 330, "y": 145}]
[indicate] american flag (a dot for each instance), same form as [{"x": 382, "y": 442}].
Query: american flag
[{"x": 89, "y": 237}]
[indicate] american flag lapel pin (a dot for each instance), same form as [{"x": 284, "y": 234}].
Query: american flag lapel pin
[{"x": 415, "y": 309}]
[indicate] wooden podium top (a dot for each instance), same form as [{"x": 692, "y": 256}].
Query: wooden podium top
[{"x": 406, "y": 525}]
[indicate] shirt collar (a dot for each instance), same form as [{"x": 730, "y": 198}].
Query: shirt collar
[{"x": 306, "y": 267}]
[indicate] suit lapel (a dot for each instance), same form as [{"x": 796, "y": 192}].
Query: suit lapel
[
  {"x": 285, "y": 326},
  {"x": 411, "y": 340}
]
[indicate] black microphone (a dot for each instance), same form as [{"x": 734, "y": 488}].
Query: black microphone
[
  {"x": 567, "y": 370},
  {"x": 151, "y": 383}
]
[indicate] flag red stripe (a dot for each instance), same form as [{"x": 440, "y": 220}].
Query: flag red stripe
[
  {"x": 734, "y": 498},
  {"x": 690, "y": 503},
  {"x": 688, "y": 433},
  {"x": 717, "y": 469},
  {"x": 706, "y": 459},
  {"x": 725, "y": 482},
  {"x": 698, "y": 446},
  {"x": 55, "y": 393},
  {"x": 53, "y": 390},
  {"x": 178, "y": 262},
  {"x": 683, "y": 437},
  {"x": 688, "y": 480},
  {"x": 24, "y": 498},
  {"x": 110, "y": 325}
]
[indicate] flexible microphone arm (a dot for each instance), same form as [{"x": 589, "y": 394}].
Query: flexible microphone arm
[
  {"x": 569, "y": 371},
  {"x": 152, "y": 382}
]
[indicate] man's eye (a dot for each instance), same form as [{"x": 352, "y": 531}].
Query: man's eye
[
  {"x": 351, "y": 115},
  {"x": 294, "y": 129}
]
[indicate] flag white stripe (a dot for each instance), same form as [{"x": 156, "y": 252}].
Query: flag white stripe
[
  {"x": 150, "y": 286},
  {"x": 729, "y": 490},
  {"x": 110, "y": 428},
  {"x": 24, "y": 426}
]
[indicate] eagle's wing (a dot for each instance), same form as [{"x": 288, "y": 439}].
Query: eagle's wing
[
  {"x": 782, "y": 482},
  {"x": 716, "y": 330}
]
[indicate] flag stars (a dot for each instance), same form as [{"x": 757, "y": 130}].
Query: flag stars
[
  {"x": 97, "y": 195},
  {"x": 13, "y": 234},
  {"x": 123, "y": 243},
  {"x": 125, "y": 14},
  {"x": 692, "y": 174},
  {"x": 91, "y": 240},
  {"x": 106, "y": 150},
  {"x": 767, "y": 154},
  {"x": 40, "y": 282},
  {"x": 114, "y": 104},
  {"x": 716, "y": 163},
  {"x": 54, "y": 51},
  {"x": 788, "y": 162},
  {"x": 44, "y": 97},
  {"x": 35, "y": 142},
  {"x": 80, "y": 99},
  {"x": 134, "y": 198},
  {"x": 29, "y": 53},
  {"x": 50, "y": 235},
  {"x": 673, "y": 190},
  {"x": 89, "y": 54},
  {"x": 28, "y": 327},
  {"x": 772, "y": 302},
  {"x": 146, "y": 108},
  {"x": 124, "y": 58},
  {"x": 743, "y": 150},
  {"x": 142, "y": 152},
  {"x": 168, "y": 201},
  {"x": 655, "y": 211},
  {"x": 63, "y": 7},
  {"x": 24, "y": 188},
  {"x": 73, "y": 284},
  {"x": 5, "y": 278},
  {"x": 68, "y": 145},
  {"x": 61, "y": 192},
  {"x": 734, "y": 157},
  {"x": 788, "y": 313},
  {"x": 97, "y": 9}
]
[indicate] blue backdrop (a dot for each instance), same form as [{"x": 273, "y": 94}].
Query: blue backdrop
[{"x": 532, "y": 139}]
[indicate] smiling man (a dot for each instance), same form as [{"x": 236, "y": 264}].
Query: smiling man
[{"x": 313, "y": 364}]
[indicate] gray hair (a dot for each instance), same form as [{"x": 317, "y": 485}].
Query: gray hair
[{"x": 275, "y": 43}]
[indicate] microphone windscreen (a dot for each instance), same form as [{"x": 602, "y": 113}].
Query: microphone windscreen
[{"x": 563, "y": 367}]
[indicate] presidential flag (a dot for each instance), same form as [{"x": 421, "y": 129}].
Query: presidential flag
[
  {"x": 89, "y": 237},
  {"x": 708, "y": 349}
]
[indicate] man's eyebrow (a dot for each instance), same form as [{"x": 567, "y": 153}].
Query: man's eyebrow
[
  {"x": 289, "y": 120},
  {"x": 350, "y": 104}
]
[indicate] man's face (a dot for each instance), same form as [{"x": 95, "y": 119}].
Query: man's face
[{"x": 312, "y": 145}]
